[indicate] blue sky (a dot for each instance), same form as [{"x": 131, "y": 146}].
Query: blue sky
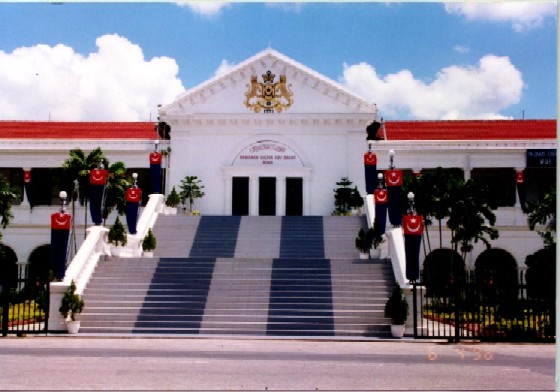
[{"x": 415, "y": 60}]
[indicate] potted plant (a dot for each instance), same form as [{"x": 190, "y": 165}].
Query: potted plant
[
  {"x": 364, "y": 242},
  {"x": 396, "y": 309},
  {"x": 356, "y": 201},
  {"x": 70, "y": 307},
  {"x": 171, "y": 202},
  {"x": 149, "y": 244},
  {"x": 191, "y": 189},
  {"x": 117, "y": 237},
  {"x": 377, "y": 240}
]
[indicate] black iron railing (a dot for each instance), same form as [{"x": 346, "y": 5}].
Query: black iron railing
[
  {"x": 483, "y": 308},
  {"x": 24, "y": 305}
]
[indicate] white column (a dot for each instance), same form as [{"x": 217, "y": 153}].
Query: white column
[
  {"x": 227, "y": 195},
  {"x": 23, "y": 268},
  {"x": 467, "y": 168},
  {"x": 306, "y": 196},
  {"x": 254, "y": 196},
  {"x": 280, "y": 196}
]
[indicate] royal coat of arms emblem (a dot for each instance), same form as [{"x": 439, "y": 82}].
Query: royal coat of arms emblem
[{"x": 268, "y": 96}]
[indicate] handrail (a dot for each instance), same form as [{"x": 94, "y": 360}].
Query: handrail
[
  {"x": 398, "y": 256},
  {"x": 147, "y": 221},
  {"x": 94, "y": 246},
  {"x": 370, "y": 209},
  {"x": 84, "y": 262},
  {"x": 395, "y": 246}
]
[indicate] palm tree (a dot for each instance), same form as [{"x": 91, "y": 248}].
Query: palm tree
[
  {"x": 115, "y": 190},
  {"x": 544, "y": 213},
  {"x": 191, "y": 189},
  {"x": 471, "y": 217},
  {"x": 77, "y": 167},
  {"x": 7, "y": 195},
  {"x": 433, "y": 192}
]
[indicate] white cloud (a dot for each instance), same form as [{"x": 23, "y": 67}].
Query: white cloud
[
  {"x": 461, "y": 49},
  {"x": 294, "y": 7},
  {"x": 224, "y": 68},
  {"x": 522, "y": 15},
  {"x": 205, "y": 8},
  {"x": 474, "y": 92},
  {"x": 115, "y": 83}
]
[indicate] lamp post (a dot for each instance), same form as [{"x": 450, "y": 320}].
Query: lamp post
[
  {"x": 411, "y": 209},
  {"x": 62, "y": 196}
]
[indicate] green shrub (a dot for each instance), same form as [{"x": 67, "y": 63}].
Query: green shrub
[{"x": 442, "y": 268}]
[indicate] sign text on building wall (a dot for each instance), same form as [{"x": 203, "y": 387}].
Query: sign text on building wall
[
  {"x": 267, "y": 153},
  {"x": 541, "y": 158}
]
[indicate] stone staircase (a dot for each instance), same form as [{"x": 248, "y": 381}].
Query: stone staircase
[{"x": 260, "y": 276}]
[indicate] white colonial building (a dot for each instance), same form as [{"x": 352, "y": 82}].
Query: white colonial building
[{"x": 272, "y": 137}]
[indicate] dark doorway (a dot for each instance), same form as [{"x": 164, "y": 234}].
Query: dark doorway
[
  {"x": 40, "y": 263},
  {"x": 267, "y": 196},
  {"x": 294, "y": 196},
  {"x": 240, "y": 196}
]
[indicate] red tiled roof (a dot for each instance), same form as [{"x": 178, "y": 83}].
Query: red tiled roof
[
  {"x": 396, "y": 130},
  {"x": 471, "y": 130},
  {"x": 77, "y": 130}
]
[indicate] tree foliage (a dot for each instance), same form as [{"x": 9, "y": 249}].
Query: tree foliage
[
  {"x": 115, "y": 190},
  {"x": 77, "y": 167},
  {"x": 191, "y": 189},
  {"x": 471, "y": 217},
  {"x": 544, "y": 213},
  {"x": 343, "y": 196}
]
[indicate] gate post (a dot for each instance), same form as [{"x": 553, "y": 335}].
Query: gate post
[
  {"x": 414, "y": 306},
  {"x": 5, "y": 301},
  {"x": 410, "y": 324},
  {"x": 56, "y": 321}
]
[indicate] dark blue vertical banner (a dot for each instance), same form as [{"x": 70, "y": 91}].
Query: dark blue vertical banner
[
  {"x": 393, "y": 180},
  {"x": 381, "y": 200},
  {"x": 27, "y": 185},
  {"x": 520, "y": 184},
  {"x": 413, "y": 227},
  {"x": 133, "y": 197},
  {"x": 60, "y": 232},
  {"x": 370, "y": 167},
  {"x": 97, "y": 182},
  {"x": 155, "y": 171}
]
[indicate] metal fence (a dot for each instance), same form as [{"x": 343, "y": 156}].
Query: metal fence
[
  {"x": 24, "y": 305},
  {"x": 482, "y": 308}
]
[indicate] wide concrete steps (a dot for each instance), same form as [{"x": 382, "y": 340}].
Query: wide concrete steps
[
  {"x": 251, "y": 296},
  {"x": 328, "y": 237}
]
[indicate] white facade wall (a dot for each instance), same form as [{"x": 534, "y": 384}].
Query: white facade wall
[{"x": 324, "y": 128}]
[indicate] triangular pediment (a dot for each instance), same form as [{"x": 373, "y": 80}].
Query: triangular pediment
[{"x": 243, "y": 90}]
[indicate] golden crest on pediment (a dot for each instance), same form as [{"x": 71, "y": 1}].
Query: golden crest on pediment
[{"x": 268, "y": 96}]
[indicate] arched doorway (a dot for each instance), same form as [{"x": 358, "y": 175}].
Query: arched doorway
[
  {"x": 8, "y": 264},
  {"x": 267, "y": 177},
  {"x": 40, "y": 263}
]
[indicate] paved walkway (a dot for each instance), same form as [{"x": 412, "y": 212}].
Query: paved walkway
[{"x": 109, "y": 363}]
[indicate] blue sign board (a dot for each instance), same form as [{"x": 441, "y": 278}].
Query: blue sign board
[{"x": 541, "y": 158}]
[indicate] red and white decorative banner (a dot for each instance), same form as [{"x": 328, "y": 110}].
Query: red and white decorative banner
[
  {"x": 519, "y": 177},
  {"x": 393, "y": 177},
  {"x": 381, "y": 196},
  {"x": 98, "y": 177},
  {"x": 61, "y": 221},
  {"x": 413, "y": 224},
  {"x": 155, "y": 158}
]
